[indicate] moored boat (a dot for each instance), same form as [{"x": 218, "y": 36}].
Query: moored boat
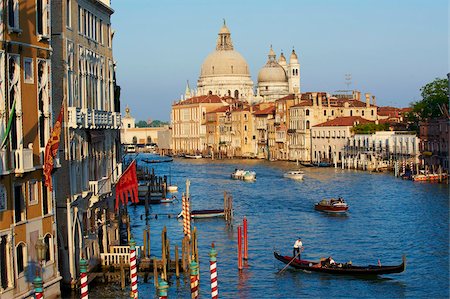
[
  {"x": 332, "y": 206},
  {"x": 193, "y": 156},
  {"x": 294, "y": 174},
  {"x": 341, "y": 268},
  {"x": 205, "y": 213},
  {"x": 172, "y": 188}
]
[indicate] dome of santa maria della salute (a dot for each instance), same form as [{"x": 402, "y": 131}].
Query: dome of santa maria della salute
[{"x": 225, "y": 72}]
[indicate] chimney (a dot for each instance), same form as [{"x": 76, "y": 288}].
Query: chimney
[
  {"x": 367, "y": 99},
  {"x": 357, "y": 95},
  {"x": 374, "y": 102},
  {"x": 314, "y": 96},
  {"x": 328, "y": 100},
  {"x": 319, "y": 99}
]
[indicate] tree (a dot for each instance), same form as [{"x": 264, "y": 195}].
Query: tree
[
  {"x": 141, "y": 124},
  {"x": 434, "y": 103},
  {"x": 370, "y": 128}
]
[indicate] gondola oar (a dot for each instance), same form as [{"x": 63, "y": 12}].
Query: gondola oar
[{"x": 290, "y": 261}]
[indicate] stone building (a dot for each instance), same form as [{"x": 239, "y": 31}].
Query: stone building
[
  {"x": 282, "y": 120},
  {"x": 434, "y": 142},
  {"x": 130, "y": 134},
  {"x": 84, "y": 77},
  {"x": 313, "y": 108},
  {"x": 27, "y": 206},
  {"x": 262, "y": 118},
  {"x": 188, "y": 121},
  {"x": 328, "y": 139}
]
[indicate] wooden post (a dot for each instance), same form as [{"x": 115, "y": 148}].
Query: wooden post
[
  {"x": 145, "y": 243},
  {"x": 239, "y": 232},
  {"x": 183, "y": 244},
  {"x": 245, "y": 239},
  {"x": 122, "y": 274},
  {"x": 147, "y": 195},
  {"x": 177, "y": 267},
  {"x": 168, "y": 254},
  {"x": 155, "y": 272},
  {"x": 163, "y": 252}
]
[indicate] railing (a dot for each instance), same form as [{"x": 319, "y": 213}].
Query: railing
[
  {"x": 101, "y": 186},
  {"x": 76, "y": 118},
  {"x": 114, "y": 259},
  {"x": 3, "y": 163},
  {"x": 124, "y": 249},
  {"x": 23, "y": 159}
]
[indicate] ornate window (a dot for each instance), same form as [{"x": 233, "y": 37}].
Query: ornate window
[
  {"x": 43, "y": 18},
  {"x": 15, "y": 97},
  {"x": 28, "y": 71},
  {"x": 21, "y": 258},
  {"x": 44, "y": 101},
  {"x": 13, "y": 15}
]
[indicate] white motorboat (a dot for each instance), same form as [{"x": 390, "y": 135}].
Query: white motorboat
[
  {"x": 294, "y": 174},
  {"x": 245, "y": 175},
  {"x": 172, "y": 188}
]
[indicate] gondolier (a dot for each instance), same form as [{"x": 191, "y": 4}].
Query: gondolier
[{"x": 298, "y": 245}]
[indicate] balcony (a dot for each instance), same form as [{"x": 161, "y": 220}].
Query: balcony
[
  {"x": 4, "y": 169},
  {"x": 100, "y": 187},
  {"x": 22, "y": 159},
  {"x": 79, "y": 118}
]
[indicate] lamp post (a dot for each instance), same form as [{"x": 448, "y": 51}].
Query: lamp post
[{"x": 41, "y": 251}]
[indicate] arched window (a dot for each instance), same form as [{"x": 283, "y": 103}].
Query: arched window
[
  {"x": 362, "y": 112},
  {"x": 332, "y": 112},
  {"x": 48, "y": 252},
  {"x": 324, "y": 112},
  {"x": 371, "y": 112},
  {"x": 351, "y": 112},
  {"x": 307, "y": 112},
  {"x": 236, "y": 94},
  {"x": 293, "y": 72},
  {"x": 210, "y": 92},
  {"x": 229, "y": 93},
  {"x": 20, "y": 257},
  {"x": 134, "y": 139},
  {"x": 149, "y": 139},
  {"x": 307, "y": 124},
  {"x": 245, "y": 128},
  {"x": 245, "y": 139}
]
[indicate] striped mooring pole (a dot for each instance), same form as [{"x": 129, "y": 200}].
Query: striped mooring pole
[
  {"x": 213, "y": 269},
  {"x": 38, "y": 290},
  {"x": 83, "y": 279},
  {"x": 133, "y": 269},
  {"x": 163, "y": 286},
  {"x": 194, "y": 279}
]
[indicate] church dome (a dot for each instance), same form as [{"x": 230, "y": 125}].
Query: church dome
[
  {"x": 272, "y": 71},
  {"x": 225, "y": 62}
]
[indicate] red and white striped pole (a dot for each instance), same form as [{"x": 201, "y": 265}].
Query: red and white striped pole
[
  {"x": 83, "y": 279},
  {"x": 245, "y": 239},
  {"x": 194, "y": 279},
  {"x": 239, "y": 232},
  {"x": 213, "y": 269},
  {"x": 183, "y": 207},
  {"x": 38, "y": 287},
  {"x": 188, "y": 217},
  {"x": 133, "y": 269}
]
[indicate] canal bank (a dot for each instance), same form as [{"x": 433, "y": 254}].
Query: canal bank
[{"x": 387, "y": 218}]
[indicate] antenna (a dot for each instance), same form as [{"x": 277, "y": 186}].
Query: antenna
[{"x": 348, "y": 80}]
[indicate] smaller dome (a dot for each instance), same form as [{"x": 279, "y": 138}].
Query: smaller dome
[
  {"x": 224, "y": 30},
  {"x": 282, "y": 58},
  {"x": 272, "y": 71},
  {"x": 272, "y": 74}
]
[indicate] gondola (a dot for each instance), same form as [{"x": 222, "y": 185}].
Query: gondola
[
  {"x": 157, "y": 161},
  {"x": 341, "y": 269},
  {"x": 205, "y": 213}
]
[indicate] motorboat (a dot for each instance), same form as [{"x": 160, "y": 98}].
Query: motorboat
[
  {"x": 332, "y": 206},
  {"x": 172, "y": 188},
  {"x": 244, "y": 175},
  {"x": 294, "y": 174}
]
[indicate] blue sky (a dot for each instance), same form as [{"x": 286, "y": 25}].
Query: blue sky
[{"x": 391, "y": 48}]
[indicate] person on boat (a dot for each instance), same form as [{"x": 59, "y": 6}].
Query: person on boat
[
  {"x": 331, "y": 261},
  {"x": 298, "y": 245}
]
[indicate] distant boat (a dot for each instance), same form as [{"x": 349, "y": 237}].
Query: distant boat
[
  {"x": 294, "y": 174},
  {"x": 157, "y": 160},
  {"x": 205, "y": 214},
  {"x": 322, "y": 164},
  {"x": 332, "y": 206},
  {"x": 193, "y": 156},
  {"x": 307, "y": 164},
  {"x": 244, "y": 175}
]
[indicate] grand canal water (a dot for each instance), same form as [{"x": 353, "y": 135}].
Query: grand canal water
[{"x": 388, "y": 217}]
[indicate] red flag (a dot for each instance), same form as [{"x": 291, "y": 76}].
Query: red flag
[
  {"x": 51, "y": 149},
  {"x": 127, "y": 185}
]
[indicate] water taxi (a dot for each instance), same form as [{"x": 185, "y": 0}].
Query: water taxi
[
  {"x": 245, "y": 175},
  {"x": 332, "y": 206}
]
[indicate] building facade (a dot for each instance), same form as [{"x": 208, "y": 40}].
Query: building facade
[
  {"x": 27, "y": 206},
  {"x": 84, "y": 81},
  {"x": 328, "y": 139},
  {"x": 434, "y": 142},
  {"x": 381, "y": 150}
]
